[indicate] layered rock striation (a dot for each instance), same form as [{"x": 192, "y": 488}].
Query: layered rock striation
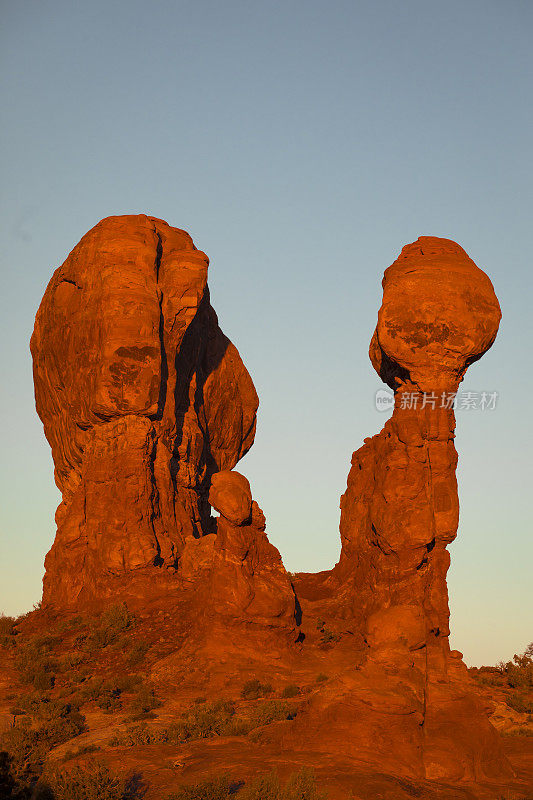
[
  {"x": 143, "y": 399},
  {"x": 399, "y": 513},
  {"x": 148, "y": 408}
]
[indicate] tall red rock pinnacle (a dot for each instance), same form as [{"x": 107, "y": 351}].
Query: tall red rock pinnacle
[
  {"x": 400, "y": 509},
  {"x": 143, "y": 399},
  {"x": 407, "y": 697}
]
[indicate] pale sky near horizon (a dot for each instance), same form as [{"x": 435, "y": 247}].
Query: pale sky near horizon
[{"x": 301, "y": 144}]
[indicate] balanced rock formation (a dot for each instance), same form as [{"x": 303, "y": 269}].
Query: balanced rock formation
[
  {"x": 143, "y": 400},
  {"x": 407, "y": 702},
  {"x": 148, "y": 408},
  {"x": 248, "y": 577}
]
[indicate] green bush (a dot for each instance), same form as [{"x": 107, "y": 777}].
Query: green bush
[
  {"x": 215, "y": 789},
  {"x": 144, "y": 700},
  {"x": 34, "y": 664},
  {"x": 206, "y": 720},
  {"x": 302, "y": 785},
  {"x": 271, "y": 711},
  {"x": 92, "y": 782},
  {"x": 70, "y": 661},
  {"x": 327, "y": 636},
  {"x": 518, "y": 673},
  {"x": 53, "y": 724},
  {"x": 198, "y": 722},
  {"x": 107, "y": 694},
  {"x": 70, "y": 624},
  {"x": 139, "y": 735},
  {"x": 7, "y": 780},
  {"x": 254, "y": 689},
  {"x": 7, "y": 630},
  {"x": 291, "y": 691},
  {"x": 518, "y": 732},
  {"x": 99, "y": 691},
  {"x": 518, "y": 702},
  {"x": 137, "y": 653},
  {"x": 111, "y": 624},
  {"x": 81, "y": 751},
  {"x": 264, "y": 787}
]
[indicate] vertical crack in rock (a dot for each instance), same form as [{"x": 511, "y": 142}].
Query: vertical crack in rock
[{"x": 164, "y": 364}]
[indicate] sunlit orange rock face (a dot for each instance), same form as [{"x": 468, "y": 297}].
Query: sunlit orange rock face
[
  {"x": 408, "y": 703},
  {"x": 143, "y": 399},
  {"x": 148, "y": 408}
]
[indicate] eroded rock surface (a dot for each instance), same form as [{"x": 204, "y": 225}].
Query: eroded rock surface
[
  {"x": 143, "y": 399},
  {"x": 398, "y": 514},
  {"x": 148, "y": 408}
]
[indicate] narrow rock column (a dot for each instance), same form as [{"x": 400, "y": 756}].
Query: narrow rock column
[{"x": 400, "y": 509}]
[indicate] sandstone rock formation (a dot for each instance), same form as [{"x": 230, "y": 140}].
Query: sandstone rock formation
[
  {"x": 148, "y": 408},
  {"x": 398, "y": 514},
  {"x": 143, "y": 400}
]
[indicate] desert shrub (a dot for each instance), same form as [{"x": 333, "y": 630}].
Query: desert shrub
[
  {"x": 28, "y": 744},
  {"x": 215, "y": 789},
  {"x": 137, "y": 653},
  {"x": 81, "y": 751},
  {"x": 264, "y": 787},
  {"x": 139, "y": 734},
  {"x": 7, "y": 630},
  {"x": 321, "y": 677},
  {"x": 291, "y": 691},
  {"x": 198, "y": 722},
  {"x": 118, "y": 618},
  {"x": 7, "y": 780},
  {"x": 489, "y": 680},
  {"x": 82, "y": 639},
  {"x": 518, "y": 702},
  {"x": 327, "y": 636},
  {"x": 302, "y": 785},
  {"x": 54, "y": 710},
  {"x": 34, "y": 664},
  {"x": 106, "y": 694},
  {"x": 206, "y": 720},
  {"x": 70, "y": 624},
  {"x": 109, "y": 699},
  {"x": 128, "y": 682},
  {"x": 144, "y": 700},
  {"x": 7, "y": 625},
  {"x": 518, "y": 673},
  {"x": 271, "y": 711},
  {"x": 113, "y": 622},
  {"x": 92, "y": 782},
  {"x": 254, "y": 689},
  {"x": 70, "y": 661},
  {"x": 80, "y": 676},
  {"x": 518, "y": 732}
]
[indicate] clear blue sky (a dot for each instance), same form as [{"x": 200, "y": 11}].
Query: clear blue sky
[{"x": 302, "y": 144}]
